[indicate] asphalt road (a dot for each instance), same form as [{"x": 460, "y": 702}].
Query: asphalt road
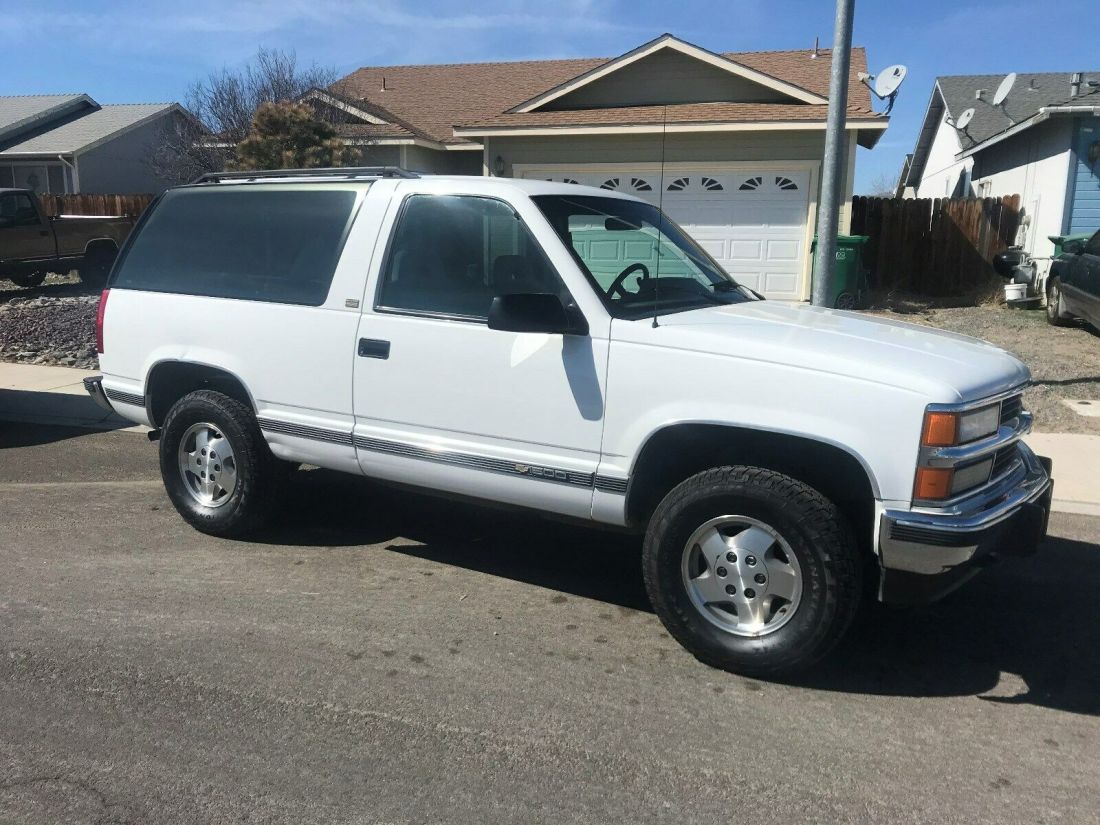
[{"x": 387, "y": 658}]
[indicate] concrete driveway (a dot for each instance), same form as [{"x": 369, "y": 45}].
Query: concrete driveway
[{"x": 388, "y": 658}]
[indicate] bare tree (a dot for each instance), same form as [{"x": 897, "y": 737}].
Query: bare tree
[
  {"x": 223, "y": 104},
  {"x": 882, "y": 185}
]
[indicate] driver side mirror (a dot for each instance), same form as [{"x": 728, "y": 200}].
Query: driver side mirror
[
  {"x": 1074, "y": 247},
  {"x": 535, "y": 312}
]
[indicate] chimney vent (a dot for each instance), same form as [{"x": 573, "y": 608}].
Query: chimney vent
[
  {"x": 978, "y": 94},
  {"x": 384, "y": 87},
  {"x": 817, "y": 50},
  {"x": 1075, "y": 84}
]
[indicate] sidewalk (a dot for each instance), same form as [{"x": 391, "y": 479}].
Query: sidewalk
[{"x": 55, "y": 395}]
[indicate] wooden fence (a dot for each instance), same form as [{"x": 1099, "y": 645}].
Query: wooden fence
[
  {"x": 939, "y": 247},
  {"x": 132, "y": 205}
]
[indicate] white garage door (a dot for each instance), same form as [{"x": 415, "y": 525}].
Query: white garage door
[{"x": 753, "y": 222}]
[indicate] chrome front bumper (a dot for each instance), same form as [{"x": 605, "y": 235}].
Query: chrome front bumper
[{"x": 925, "y": 553}]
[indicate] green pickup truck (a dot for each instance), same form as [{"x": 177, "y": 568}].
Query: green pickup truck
[{"x": 33, "y": 244}]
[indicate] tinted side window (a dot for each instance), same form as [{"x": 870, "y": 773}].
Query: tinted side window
[
  {"x": 16, "y": 209},
  {"x": 256, "y": 244},
  {"x": 451, "y": 254}
]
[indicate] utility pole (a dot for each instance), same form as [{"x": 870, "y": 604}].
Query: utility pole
[{"x": 828, "y": 212}]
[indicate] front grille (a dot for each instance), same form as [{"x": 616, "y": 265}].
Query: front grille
[
  {"x": 1003, "y": 461},
  {"x": 1011, "y": 408}
]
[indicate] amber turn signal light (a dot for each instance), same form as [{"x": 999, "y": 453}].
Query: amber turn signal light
[
  {"x": 933, "y": 483},
  {"x": 941, "y": 429}
]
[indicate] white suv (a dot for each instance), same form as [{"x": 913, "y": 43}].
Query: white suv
[{"x": 569, "y": 350}]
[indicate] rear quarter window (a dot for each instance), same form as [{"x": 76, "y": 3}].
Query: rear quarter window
[{"x": 254, "y": 244}]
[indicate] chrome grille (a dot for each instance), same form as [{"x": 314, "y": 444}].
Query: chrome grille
[
  {"x": 1011, "y": 407},
  {"x": 1003, "y": 461}
]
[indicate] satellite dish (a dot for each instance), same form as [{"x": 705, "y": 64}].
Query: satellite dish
[
  {"x": 889, "y": 79},
  {"x": 964, "y": 119},
  {"x": 1005, "y": 87},
  {"x": 885, "y": 85}
]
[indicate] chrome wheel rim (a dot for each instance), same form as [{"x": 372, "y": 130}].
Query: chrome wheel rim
[
  {"x": 742, "y": 576},
  {"x": 207, "y": 465}
]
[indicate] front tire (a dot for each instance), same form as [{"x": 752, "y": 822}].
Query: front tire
[
  {"x": 217, "y": 469},
  {"x": 1056, "y": 314},
  {"x": 752, "y": 571}
]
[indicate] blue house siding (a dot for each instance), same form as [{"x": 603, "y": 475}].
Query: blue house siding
[{"x": 1084, "y": 211}]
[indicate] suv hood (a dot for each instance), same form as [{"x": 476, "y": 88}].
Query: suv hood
[{"x": 943, "y": 366}]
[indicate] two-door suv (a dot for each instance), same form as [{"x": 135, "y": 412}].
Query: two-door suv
[{"x": 572, "y": 351}]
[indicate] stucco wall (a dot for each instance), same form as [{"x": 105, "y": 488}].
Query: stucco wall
[
  {"x": 1033, "y": 164},
  {"x": 121, "y": 165},
  {"x": 941, "y": 170},
  {"x": 443, "y": 162},
  {"x": 665, "y": 77}
]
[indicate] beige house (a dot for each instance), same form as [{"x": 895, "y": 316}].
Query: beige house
[{"x": 729, "y": 144}]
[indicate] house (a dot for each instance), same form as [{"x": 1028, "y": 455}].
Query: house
[
  {"x": 730, "y": 144},
  {"x": 70, "y": 143},
  {"x": 1042, "y": 143}
]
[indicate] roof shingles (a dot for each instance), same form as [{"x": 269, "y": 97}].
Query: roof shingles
[{"x": 438, "y": 98}]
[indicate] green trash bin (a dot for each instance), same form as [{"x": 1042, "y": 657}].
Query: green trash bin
[
  {"x": 1060, "y": 240},
  {"x": 849, "y": 287}
]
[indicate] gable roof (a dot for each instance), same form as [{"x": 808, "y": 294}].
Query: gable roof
[
  {"x": 87, "y": 130},
  {"x": 954, "y": 94},
  {"x": 436, "y": 99},
  {"x": 21, "y": 112},
  {"x": 668, "y": 41},
  {"x": 1029, "y": 94}
]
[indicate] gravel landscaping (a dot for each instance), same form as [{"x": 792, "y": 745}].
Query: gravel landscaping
[
  {"x": 52, "y": 324},
  {"x": 55, "y": 324},
  {"x": 1064, "y": 361}
]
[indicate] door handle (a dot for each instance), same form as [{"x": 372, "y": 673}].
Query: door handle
[{"x": 374, "y": 348}]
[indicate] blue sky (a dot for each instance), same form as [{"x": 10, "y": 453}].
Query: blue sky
[{"x": 147, "y": 50}]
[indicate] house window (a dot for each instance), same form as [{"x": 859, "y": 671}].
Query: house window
[
  {"x": 785, "y": 183},
  {"x": 985, "y": 187},
  {"x": 711, "y": 185},
  {"x": 678, "y": 185},
  {"x": 640, "y": 185},
  {"x": 610, "y": 183},
  {"x": 751, "y": 184}
]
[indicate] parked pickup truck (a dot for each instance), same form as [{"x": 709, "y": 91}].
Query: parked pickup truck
[
  {"x": 572, "y": 351},
  {"x": 32, "y": 244}
]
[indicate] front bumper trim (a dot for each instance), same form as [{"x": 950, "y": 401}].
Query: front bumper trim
[{"x": 924, "y": 553}]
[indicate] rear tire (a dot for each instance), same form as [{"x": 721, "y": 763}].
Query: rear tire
[
  {"x": 245, "y": 481},
  {"x": 28, "y": 280},
  {"x": 752, "y": 571},
  {"x": 96, "y": 266},
  {"x": 1056, "y": 315}
]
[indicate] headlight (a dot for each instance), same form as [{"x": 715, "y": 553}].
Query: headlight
[{"x": 946, "y": 429}]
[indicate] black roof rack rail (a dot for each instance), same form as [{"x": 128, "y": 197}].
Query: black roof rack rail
[{"x": 350, "y": 172}]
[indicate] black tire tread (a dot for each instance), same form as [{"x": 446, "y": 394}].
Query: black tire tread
[
  {"x": 829, "y": 531},
  {"x": 263, "y": 483},
  {"x": 1057, "y": 319}
]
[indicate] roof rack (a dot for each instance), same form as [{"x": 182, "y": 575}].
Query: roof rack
[{"x": 350, "y": 172}]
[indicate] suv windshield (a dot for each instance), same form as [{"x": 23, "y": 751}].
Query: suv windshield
[{"x": 640, "y": 262}]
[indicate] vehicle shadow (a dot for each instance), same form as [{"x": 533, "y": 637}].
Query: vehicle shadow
[{"x": 1036, "y": 618}]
